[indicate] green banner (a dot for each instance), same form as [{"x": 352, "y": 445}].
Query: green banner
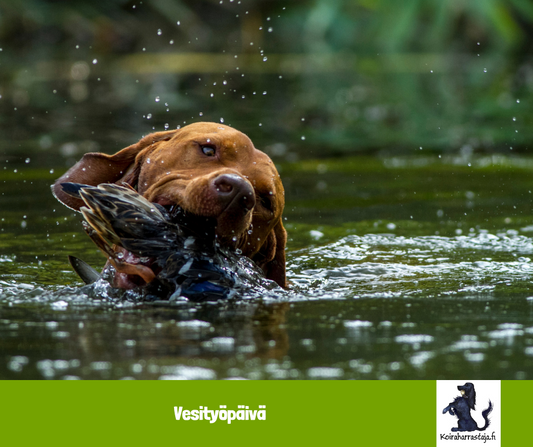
[
  {"x": 516, "y": 412},
  {"x": 235, "y": 412}
]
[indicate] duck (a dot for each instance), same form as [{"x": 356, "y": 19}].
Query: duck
[{"x": 172, "y": 255}]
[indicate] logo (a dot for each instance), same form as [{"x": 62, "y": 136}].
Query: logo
[{"x": 468, "y": 411}]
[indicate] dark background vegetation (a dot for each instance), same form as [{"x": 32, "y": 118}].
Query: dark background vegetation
[{"x": 302, "y": 78}]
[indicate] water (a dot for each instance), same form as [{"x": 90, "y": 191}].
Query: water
[{"x": 415, "y": 267}]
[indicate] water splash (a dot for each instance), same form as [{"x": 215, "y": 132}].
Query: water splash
[{"x": 384, "y": 265}]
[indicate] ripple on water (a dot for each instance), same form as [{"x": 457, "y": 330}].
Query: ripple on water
[
  {"x": 385, "y": 265},
  {"x": 322, "y": 372},
  {"x": 369, "y": 266},
  {"x": 507, "y": 332},
  {"x": 182, "y": 372},
  {"x": 414, "y": 339}
]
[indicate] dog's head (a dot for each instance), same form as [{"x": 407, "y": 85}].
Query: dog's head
[
  {"x": 207, "y": 169},
  {"x": 469, "y": 393}
]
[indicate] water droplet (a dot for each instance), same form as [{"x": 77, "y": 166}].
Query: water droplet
[
  {"x": 120, "y": 255},
  {"x": 157, "y": 99},
  {"x": 159, "y": 32},
  {"x": 148, "y": 161},
  {"x": 264, "y": 93},
  {"x": 166, "y": 127},
  {"x": 221, "y": 120},
  {"x": 270, "y": 29},
  {"x": 27, "y": 160},
  {"x": 201, "y": 114},
  {"x": 484, "y": 70},
  {"x": 518, "y": 101},
  {"x": 171, "y": 42},
  {"x": 265, "y": 59},
  {"x": 149, "y": 116},
  {"x": 178, "y": 23},
  {"x": 51, "y": 171},
  {"x": 303, "y": 137},
  {"x": 95, "y": 61},
  {"x": 514, "y": 118}
]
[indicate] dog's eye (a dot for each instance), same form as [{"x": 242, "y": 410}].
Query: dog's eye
[
  {"x": 208, "y": 150},
  {"x": 266, "y": 201}
]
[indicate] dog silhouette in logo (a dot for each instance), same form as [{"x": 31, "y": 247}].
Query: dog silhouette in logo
[{"x": 462, "y": 406}]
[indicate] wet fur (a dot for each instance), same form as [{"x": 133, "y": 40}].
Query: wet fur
[{"x": 170, "y": 168}]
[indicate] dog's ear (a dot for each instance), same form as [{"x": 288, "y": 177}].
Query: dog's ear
[
  {"x": 272, "y": 254},
  {"x": 95, "y": 168}
]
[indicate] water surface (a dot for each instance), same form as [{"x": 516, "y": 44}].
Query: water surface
[{"x": 414, "y": 267}]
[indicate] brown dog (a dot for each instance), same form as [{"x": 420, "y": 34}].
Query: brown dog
[{"x": 208, "y": 169}]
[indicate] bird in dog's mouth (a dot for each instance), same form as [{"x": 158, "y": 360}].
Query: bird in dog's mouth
[{"x": 163, "y": 250}]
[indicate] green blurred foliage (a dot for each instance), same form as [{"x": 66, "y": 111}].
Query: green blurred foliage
[
  {"x": 341, "y": 76},
  {"x": 367, "y": 26}
]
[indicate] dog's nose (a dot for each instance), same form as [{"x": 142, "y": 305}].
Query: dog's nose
[{"x": 234, "y": 191}]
